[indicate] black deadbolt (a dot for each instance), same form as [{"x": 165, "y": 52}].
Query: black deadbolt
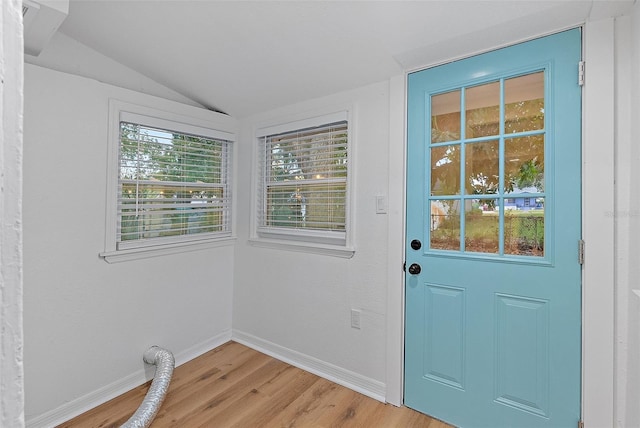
[{"x": 416, "y": 244}]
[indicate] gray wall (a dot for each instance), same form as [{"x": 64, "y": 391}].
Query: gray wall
[
  {"x": 293, "y": 302},
  {"x": 88, "y": 322},
  {"x": 627, "y": 219}
]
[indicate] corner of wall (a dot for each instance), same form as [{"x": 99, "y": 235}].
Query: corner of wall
[
  {"x": 11, "y": 263},
  {"x": 101, "y": 395}
]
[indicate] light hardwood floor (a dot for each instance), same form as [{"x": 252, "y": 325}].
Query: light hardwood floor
[{"x": 235, "y": 386}]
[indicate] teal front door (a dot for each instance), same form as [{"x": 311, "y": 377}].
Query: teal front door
[{"x": 493, "y": 282}]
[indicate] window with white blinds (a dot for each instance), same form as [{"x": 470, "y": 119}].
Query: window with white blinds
[
  {"x": 172, "y": 186},
  {"x": 303, "y": 184}
]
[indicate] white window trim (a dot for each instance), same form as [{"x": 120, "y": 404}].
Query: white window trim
[
  {"x": 298, "y": 240},
  {"x": 124, "y": 111}
]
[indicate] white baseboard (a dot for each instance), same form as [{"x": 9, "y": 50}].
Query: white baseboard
[
  {"x": 362, "y": 384},
  {"x": 102, "y": 395}
]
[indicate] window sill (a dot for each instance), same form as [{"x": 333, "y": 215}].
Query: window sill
[
  {"x": 162, "y": 250},
  {"x": 304, "y": 247}
]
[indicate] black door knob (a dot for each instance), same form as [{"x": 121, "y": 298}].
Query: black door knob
[
  {"x": 415, "y": 269},
  {"x": 416, "y": 244}
]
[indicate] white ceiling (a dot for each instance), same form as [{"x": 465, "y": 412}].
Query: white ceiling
[{"x": 245, "y": 57}]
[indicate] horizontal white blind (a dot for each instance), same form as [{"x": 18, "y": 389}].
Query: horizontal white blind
[
  {"x": 307, "y": 123},
  {"x": 303, "y": 183},
  {"x": 173, "y": 186}
]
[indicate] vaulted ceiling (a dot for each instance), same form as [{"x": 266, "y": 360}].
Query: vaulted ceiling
[{"x": 244, "y": 57}]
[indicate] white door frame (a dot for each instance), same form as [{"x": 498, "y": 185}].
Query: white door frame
[{"x": 597, "y": 223}]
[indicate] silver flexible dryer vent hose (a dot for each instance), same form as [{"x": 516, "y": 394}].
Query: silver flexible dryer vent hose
[{"x": 164, "y": 362}]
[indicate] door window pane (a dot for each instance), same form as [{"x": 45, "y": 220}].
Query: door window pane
[
  {"x": 482, "y": 226},
  {"x": 524, "y": 164},
  {"x": 482, "y": 105},
  {"x": 524, "y": 228},
  {"x": 445, "y": 117},
  {"x": 445, "y": 170},
  {"x": 445, "y": 224},
  {"x": 524, "y": 103},
  {"x": 482, "y": 168}
]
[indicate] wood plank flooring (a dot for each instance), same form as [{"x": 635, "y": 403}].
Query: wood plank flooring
[{"x": 235, "y": 386}]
